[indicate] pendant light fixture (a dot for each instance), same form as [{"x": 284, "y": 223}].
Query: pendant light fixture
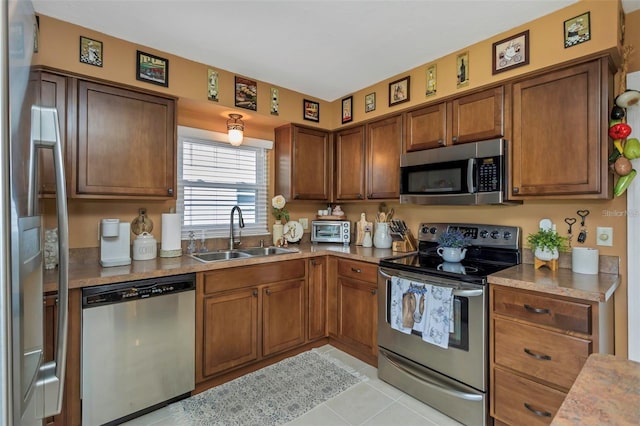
[{"x": 235, "y": 128}]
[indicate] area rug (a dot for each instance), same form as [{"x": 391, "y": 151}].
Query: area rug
[{"x": 273, "y": 395}]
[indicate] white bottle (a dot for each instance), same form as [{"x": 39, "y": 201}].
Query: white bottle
[{"x": 366, "y": 241}]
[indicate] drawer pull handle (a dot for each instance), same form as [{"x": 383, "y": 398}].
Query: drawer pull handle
[
  {"x": 537, "y": 356},
  {"x": 356, "y": 270},
  {"x": 536, "y": 310},
  {"x": 537, "y": 412}
]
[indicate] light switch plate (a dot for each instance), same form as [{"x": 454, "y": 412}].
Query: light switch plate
[
  {"x": 604, "y": 236},
  {"x": 304, "y": 222}
]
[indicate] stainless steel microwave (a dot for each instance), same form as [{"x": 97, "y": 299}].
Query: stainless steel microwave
[
  {"x": 331, "y": 231},
  {"x": 465, "y": 174}
]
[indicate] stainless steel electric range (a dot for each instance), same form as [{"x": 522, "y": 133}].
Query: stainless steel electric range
[{"x": 450, "y": 375}]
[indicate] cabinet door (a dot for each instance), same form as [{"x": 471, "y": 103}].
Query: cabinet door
[
  {"x": 384, "y": 138},
  {"x": 53, "y": 93},
  {"x": 350, "y": 164},
  {"x": 283, "y": 316},
  {"x": 559, "y": 134},
  {"x": 426, "y": 128},
  {"x": 126, "y": 143},
  {"x": 230, "y": 330},
  {"x": 478, "y": 116},
  {"x": 317, "y": 298},
  {"x": 311, "y": 174},
  {"x": 358, "y": 314}
]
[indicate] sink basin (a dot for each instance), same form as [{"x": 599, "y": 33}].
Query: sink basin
[
  {"x": 220, "y": 255},
  {"x": 266, "y": 251}
]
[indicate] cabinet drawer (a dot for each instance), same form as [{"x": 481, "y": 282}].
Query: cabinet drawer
[
  {"x": 553, "y": 357},
  {"x": 358, "y": 270},
  {"x": 518, "y": 401},
  {"x": 543, "y": 310},
  {"x": 232, "y": 278}
]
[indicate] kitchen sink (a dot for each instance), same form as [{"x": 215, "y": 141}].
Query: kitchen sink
[
  {"x": 218, "y": 255},
  {"x": 215, "y": 256},
  {"x": 266, "y": 251}
]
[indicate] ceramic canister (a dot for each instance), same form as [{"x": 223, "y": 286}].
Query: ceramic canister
[{"x": 145, "y": 247}]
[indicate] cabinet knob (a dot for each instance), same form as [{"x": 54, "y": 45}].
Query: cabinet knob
[
  {"x": 170, "y": 191},
  {"x": 296, "y": 196},
  {"x": 441, "y": 142},
  {"x": 255, "y": 293},
  {"x": 374, "y": 291},
  {"x": 454, "y": 139},
  {"x": 268, "y": 292},
  {"x": 360, "y": 197},
  {"x": 516, "y": 190},
  {"x": 313, "y": 262}
]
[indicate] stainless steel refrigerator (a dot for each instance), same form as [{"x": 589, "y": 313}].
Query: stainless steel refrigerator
[{"x": 30, "y": 388}]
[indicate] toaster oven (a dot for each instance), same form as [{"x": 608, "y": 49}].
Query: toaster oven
[{"x": 331, "y": 231}]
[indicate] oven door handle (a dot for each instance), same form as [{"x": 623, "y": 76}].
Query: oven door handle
[
  {"x": 428, "y": 381},
  {"x": 460, "y": 293}
]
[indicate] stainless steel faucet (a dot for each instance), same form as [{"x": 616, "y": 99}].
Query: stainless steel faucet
[{"x": 232, "y": 242}]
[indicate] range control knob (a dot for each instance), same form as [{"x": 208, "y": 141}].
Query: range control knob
[
  {"x": 433, "y": 230},
  {"x": 424, "y": 230},
  {"x": 495, "y": 234},
  {"x": 484, "y": 233},
  {"x": 506, "y": 235}
]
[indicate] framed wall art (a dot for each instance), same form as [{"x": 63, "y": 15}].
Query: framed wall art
[
  {"x": 462, "y": 70},
  {"x": 399, "y": 91},
  {"x": 347, "y": 109},
  {"x": 246, "y": 93},
  {"x": 577, "y": 30},
  {"x": 431, "y": 80},
  {"x": 90, "y": 51},
  {"x": 212, "y": 85},
  {"x": 512, "y": 52},
  {"x": 370, "y": 102},
  {"x": 152, "y": 69},
  {"x": 275, "y": 101},
  {"x": 310, "y": 110}
]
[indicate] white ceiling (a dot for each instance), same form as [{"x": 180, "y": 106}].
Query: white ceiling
[{"x": 322, "y": 48}]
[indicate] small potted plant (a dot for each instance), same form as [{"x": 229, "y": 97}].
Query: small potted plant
[
  {"x": 452, "y": 245},
  {"x": 547, "y": 244}
]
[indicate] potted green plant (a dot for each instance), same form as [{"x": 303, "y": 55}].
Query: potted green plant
[
  {"x": 547, "y": 244},
  {"x": 452, "y": 245}
]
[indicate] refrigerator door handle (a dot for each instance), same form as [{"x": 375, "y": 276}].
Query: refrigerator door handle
[{"x": 45, "y": 133}]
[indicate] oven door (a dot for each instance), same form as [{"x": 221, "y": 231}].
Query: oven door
[{"x": 465, "y": 360}]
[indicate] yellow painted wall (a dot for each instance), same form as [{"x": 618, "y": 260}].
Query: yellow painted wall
[{"x": 59, "y": 49}]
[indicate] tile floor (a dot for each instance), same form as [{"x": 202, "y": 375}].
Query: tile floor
[{"x": 369, "y": 403}]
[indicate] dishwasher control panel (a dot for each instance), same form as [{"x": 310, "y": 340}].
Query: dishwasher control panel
[{"x": 134, "y": 290}]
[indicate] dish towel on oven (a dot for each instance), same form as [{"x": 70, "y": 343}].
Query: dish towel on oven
[
  {"x": 407, "y": 305},
  {"x": 439, "y": 316}
]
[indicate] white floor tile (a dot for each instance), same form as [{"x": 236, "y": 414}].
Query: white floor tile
[
  {"x": 428, "y": 412},
  {"x": 359, "y": 403},
  {"x": 398, "y": 414}
]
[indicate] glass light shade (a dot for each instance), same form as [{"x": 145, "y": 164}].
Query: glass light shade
[
  {"x": 235, "y": 128},
  {"x": 235, "y": 137}
]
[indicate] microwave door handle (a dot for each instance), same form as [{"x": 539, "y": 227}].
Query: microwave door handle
[
  {"x": 471, "y": 175},
  {"x": 45, "y": 134}
]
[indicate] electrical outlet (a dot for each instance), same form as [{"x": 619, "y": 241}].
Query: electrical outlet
[
  {"x": 604, "y": 236},
  {"x": 304, "y": 222}
]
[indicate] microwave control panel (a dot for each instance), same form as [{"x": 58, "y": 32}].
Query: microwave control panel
[{"x": 489, "y": 172}]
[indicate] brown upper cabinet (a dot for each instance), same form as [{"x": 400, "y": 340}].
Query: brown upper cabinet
[
  {"x": 368, "y": 160},
  {"x": 474, "y": 117},
  {"x": 303, "y": 163},
  {"x": 126, "y": 144},
  {"x": 560, "y": 140}
]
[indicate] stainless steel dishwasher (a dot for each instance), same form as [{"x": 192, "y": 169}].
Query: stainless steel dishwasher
[{"x": 138, "y": 347}]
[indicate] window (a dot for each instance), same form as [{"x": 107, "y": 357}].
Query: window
[{"x": 215, "y": 176}]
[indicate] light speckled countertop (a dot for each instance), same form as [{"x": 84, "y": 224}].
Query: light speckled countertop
[
  {"x": 563, "y": 282},
  {"x": 606, "y": 392},
  {"x": 87, "y": 274}
]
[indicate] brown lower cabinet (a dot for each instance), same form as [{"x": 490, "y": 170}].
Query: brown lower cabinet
[
  {"x": 250, "y": 313},
  {"x": 539, "y": 343},
  {"x": 355, "y": 316}
]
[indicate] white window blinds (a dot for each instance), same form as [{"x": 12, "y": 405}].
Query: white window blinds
[{"x": 215, "y": 176}]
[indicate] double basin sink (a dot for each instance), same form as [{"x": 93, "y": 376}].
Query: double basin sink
[{"x": 218, "y": 255}]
